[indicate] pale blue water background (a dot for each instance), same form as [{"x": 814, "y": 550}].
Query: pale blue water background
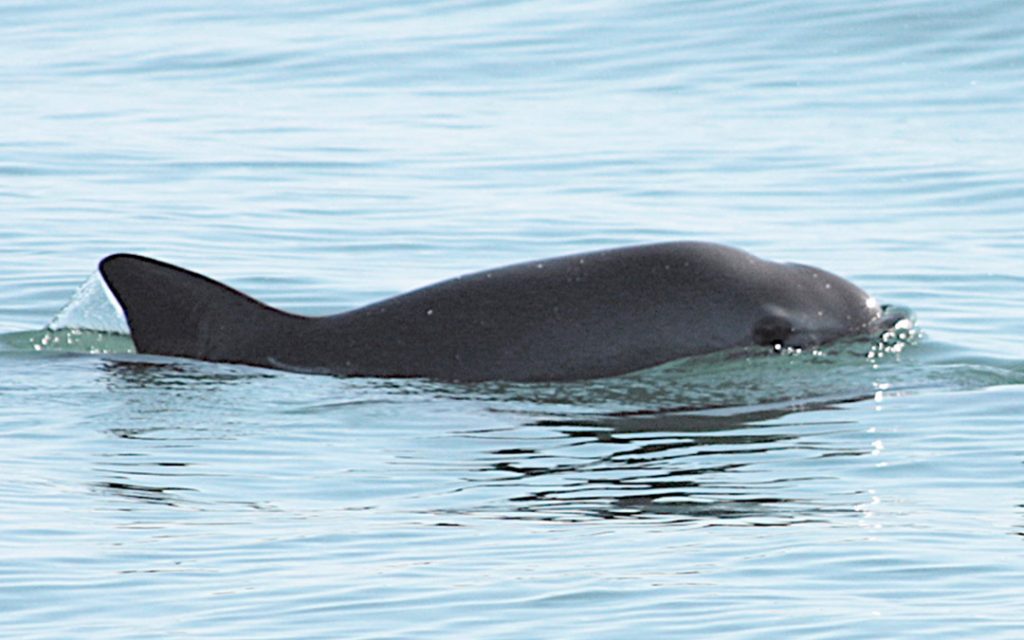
[{"x": 323, "y": 155}]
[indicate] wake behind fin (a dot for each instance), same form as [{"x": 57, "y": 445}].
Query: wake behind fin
[{"x": 174, "y": 312}]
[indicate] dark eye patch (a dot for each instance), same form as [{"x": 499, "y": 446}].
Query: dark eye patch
[{"x": 772, "y": 331}]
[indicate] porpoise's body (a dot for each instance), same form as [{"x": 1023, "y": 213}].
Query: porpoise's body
[{"x": 589, "y": 315}]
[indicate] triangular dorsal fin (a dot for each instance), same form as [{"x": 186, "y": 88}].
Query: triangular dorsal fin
[{"x": 175, "y": 312}]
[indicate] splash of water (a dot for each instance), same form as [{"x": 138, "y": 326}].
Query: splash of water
[
  {"x": 91, "y": 322},
  {"x": 93, "y": 308}
]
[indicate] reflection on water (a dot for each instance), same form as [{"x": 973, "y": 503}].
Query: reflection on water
[
  {"x": 738, "y": 464},
  {"x": 156, "y": 494},
  {"x": 733, "y": 438},
  {"x": 166, "y": 421},
  {"x": 176, "y": 373},
  {"x": 710, "y": 465}
]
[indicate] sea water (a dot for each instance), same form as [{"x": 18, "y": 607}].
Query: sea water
[{"x": 322, "y": 155}]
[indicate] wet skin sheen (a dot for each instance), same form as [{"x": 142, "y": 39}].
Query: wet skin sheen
[{"x": 589, "y": 315}]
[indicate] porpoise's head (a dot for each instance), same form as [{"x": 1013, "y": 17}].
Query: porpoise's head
[{"x": 811, "y": 306}]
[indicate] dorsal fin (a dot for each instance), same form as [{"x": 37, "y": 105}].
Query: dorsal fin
[{"x": 175, "y": 312}]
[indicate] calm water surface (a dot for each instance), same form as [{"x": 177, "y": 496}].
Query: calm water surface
[{"x": 320, "y": 156}]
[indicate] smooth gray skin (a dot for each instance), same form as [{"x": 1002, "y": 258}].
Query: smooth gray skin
[{"x": 575, "y": 317}]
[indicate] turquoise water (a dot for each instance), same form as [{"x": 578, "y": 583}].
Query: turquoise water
[{"x": 320, "y": 156}]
